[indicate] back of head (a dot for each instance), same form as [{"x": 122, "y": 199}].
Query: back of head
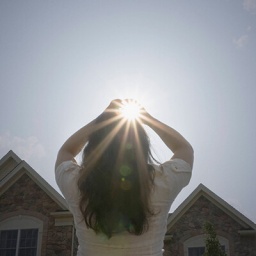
[{"x": 116, "y": 177}]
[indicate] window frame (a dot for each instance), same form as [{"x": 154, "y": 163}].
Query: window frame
[
  {"x": 199, "y": 241},
  {"x": 22, "y": 222}
]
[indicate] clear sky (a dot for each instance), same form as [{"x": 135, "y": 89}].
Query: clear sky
[{"x": 192, "y": 64}]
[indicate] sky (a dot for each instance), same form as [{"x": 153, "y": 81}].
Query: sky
[{"x": 191, "y": 64}]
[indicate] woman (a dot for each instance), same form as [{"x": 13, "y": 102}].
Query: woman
[{"x": 118, "y": 196}]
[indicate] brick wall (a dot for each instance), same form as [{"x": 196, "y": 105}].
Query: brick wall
[
  {"x": 192, "y": 222},
  {"x": 25, "y": 197}
]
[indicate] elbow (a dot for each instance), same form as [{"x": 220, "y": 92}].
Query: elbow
[
  {"x": 191, "y": 156},
  {"x": 191, "y": 149},
  {"x": 187, "y": 148},
  {"x": 187, "y": 154}
]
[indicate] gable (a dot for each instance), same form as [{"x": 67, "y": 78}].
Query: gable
[
  {"x": 204, "y": 210},
  {"x": 209, "y": 205},
  {"x": 25, "y": 194},
  {"x": 12, "y": 168},
  {"x": 8, "y": 163}
]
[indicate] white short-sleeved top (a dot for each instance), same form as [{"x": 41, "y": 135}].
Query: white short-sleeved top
[{"x": 170, "y": 178}]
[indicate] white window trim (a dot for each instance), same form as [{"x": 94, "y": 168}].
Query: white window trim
[
  {"x": 25, "y": 222},
  {"x": 199, "y": 241}
]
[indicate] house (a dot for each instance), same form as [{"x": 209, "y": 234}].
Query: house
[
  {"x": 185, "y": 228},
  {"x": 34, "y": 218}
]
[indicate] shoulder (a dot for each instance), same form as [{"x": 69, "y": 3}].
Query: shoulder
[
  {"x": 175, "y": 173},
  {"x": 66, "y": 174},
  {"x": 174, "y": 165},
  {"x": 67, "y": 166}
]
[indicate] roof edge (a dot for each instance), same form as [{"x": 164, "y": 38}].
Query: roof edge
[
  {"x": 10, "y": 154},
  {"x": 24, "y": 167},
  {"x": 202, "y": 190}
]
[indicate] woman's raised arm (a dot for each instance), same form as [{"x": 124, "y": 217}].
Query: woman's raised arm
[
  {"x": 180, "y": 147},
  {"x": 74, "y": 144}
]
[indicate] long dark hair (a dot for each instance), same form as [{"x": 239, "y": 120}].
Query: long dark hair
[{"x": 117, "y": 177}]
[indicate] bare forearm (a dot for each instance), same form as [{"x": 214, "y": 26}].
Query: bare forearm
[
  {"x": 172, "y": 138},
  {"x": 74, "y": 144},
  {"x": 180, "y": 147}
]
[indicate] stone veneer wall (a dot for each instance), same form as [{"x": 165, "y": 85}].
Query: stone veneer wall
[
  {"x": 25, "y": 197},
  {"x": 192, "y": 222}
]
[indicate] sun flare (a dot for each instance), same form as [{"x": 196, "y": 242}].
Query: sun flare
[{"x": 130, "y": 110}]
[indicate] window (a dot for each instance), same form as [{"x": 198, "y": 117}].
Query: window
[
  {"x": 18, "y": 242},
  {"x": 196, "y": 251},
  {"x": 199, "y": 251},
  {"x": 28, "y": 242},
  {"x": 21, "y": 236},
  {"x": 8, "y": 241},
  {"x": 195, "y": 246}
]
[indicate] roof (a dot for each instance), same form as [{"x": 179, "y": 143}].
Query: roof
[
  {"x": 12, "y": 168},
  {"x": 201, "y": 190}
]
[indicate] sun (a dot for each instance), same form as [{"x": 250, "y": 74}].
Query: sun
[{"x": 130, "y": 110}]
